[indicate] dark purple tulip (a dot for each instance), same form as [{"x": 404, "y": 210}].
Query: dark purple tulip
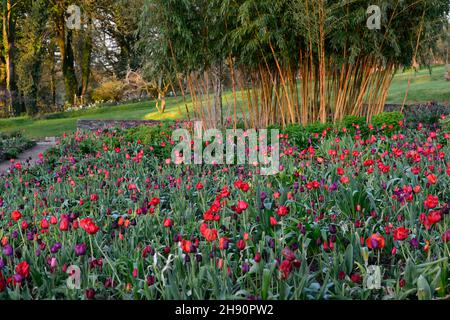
[
  {"x": 332, "y": 228},
  {"x": 150, "y": 280},
  {"x": 187, "y": 259},
  {"x": 8, "y": 250},
  {"x": 414, "y": 243},
  {"x": 30, "y": 236},
  {"x": 38, "y": 252},
  {"x": 55, "y": 248},
  {"x": 80, "y": 250},
  {"x": 15, "y": 234},
  {"x": 271, "y": 243},
  {"x": 245, "y": 268},
  {"x": 90, "y": 294},
  {"x": 263, "y": 196},
  {"x": 199, "y": 258},
  {"x": 2, "y": 263}
]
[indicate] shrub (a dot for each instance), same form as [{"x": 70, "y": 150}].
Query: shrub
[
  {"x": 113, "y": 90},
  {"x": 153, "y": 136},
  {"x": 389, "y": 121},
  {"x": 303, "y": 136},
  {"x": 11, "y": 145}
]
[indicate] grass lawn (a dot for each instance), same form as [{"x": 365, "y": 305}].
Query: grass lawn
[{"x": 424, "y": 87}]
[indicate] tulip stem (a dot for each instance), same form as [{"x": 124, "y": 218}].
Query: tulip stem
[{"x": 108, "y": 261}]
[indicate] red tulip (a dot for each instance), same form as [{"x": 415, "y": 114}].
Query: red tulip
[
  {"x": 356, "y": 278},
  {"x": 273, "y": 221},
  {"x": 432, "y": 179},
  {"x": 186, "y": 246},
  {"x": 154, "y": 202},
  {"x": 282, "y": 211},
  {"x": 2, "y": 282},
  {"x": 199, "y": 186},
  {"x": 431, "y": 202},
  {"x": 242, "y": 205},
  {"x": 64, "y": 225},
  {"x": 16, "y": 215},
  {"x": 23, "y": 269},
  {"x": 53, "y": 220},
  {"x": 167, "y": 223},
  {"x": 400, "y": 234},
  {"x": 44, "y": 224},
  {"x": 240, "y": 245},
  {"x": 89, "y": 226},
  {"x": 285, "y": 268},
  {"x": 210, "y": 234},
  {"x": 344, "y": 180},
  {"x": 375, "y": 241},
  {"x": 434, "y": 217}
]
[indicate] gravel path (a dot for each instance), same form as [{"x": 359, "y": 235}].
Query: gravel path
[{"x": 31, "y": 155}]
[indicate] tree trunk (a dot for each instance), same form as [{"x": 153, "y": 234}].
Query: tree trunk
[
  {"x": 64, "y": 41},
  {"x": 86, "y": 62},
  {"x": 9, "y": 32},
  {"x": 218, "y": 105}
]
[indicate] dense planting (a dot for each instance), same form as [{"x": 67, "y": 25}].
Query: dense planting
[{"x": 140, "y": 227}]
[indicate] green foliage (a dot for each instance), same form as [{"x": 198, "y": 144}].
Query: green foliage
[
  {"x": 388, "y": 120},
  {"x": 12, "y": 144},
  {"x": 303, "y": 136},
  {"x": 112, "y": 90},
  {"x": 153, "y": 136},
  {"x": 445, "y": 124}
]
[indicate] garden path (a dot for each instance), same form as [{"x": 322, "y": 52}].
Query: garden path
[{"x": 31, "y": 155}]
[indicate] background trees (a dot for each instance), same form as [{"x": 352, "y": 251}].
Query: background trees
[
  {"x": 284, "y": 61},
  {"x": 45, "y": 64},
  {"x": 296, "y": 60}
]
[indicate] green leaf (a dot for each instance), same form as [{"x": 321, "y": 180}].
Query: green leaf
[
  {"x": 265, "y": 284},
  {"x": 423, "y": 289},
  {"x": 349, "y": 260}
]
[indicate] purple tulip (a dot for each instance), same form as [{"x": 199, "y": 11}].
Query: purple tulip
[
  {"x": 8, "y": 250},
  {"x": 414, "y": 243},
  {"x": 2, "y": 263},
  {"x": 80, "y": 250}
]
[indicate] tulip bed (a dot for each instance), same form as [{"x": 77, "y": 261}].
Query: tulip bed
[{"x": 139, "y": 227}]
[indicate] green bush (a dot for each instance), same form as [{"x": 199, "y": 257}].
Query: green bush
[
  {"x": 113, "y": 90},
  {"x": 389, "y": 121},
  {"x": 152, "y": 136},
  {"x": 304, "y": 136},
  {"x": 13, "y": 144}
]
